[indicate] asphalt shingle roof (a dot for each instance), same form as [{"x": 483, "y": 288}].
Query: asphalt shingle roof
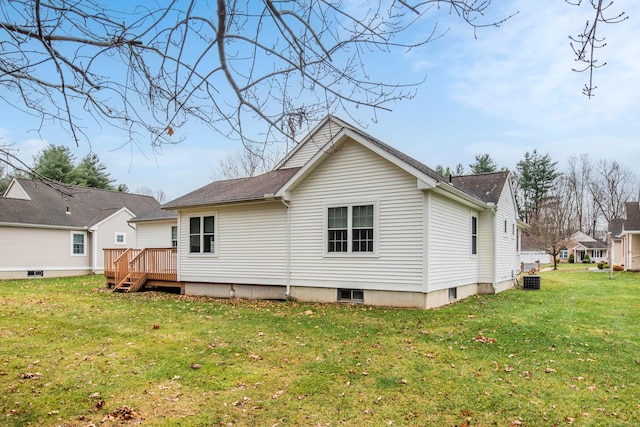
[
  {"x": 632, "y": 221},
  {"x": 486, "y": 186},
  {"x": 86, "y": 206},
  {"x": 234, "y": 190}
]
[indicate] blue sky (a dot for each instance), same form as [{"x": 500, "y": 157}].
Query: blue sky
[{"x": 506, "y": 92}]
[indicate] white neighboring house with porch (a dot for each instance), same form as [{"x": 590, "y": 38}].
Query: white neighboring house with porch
[{"x": 345, "y": 217}]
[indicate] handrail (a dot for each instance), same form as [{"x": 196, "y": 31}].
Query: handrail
[{"x": 155, "y": 263}]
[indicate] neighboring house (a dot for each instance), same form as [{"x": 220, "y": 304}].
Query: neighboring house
[
  {"x": 54, "y": 230},
  {"x": 629, "y": 236},
  {"x": 581, "y": 245},
  {"x": 345, "y": 217},
  {"x": 531, "y": 253}
]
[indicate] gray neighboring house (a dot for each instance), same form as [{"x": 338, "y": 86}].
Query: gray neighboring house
[
  {"x": 346, "y": 218},
  {"x": 56, "y": 230}
]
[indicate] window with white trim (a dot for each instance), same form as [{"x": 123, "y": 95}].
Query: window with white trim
[
  {"x": 121, "y": 239},
  {"x": 474, "y": 235},
  {"x": 563, "y": 254},
  {"x": 174, "y": 236},
  {"x": 350, "y": 229},
  {"x": 78, "y": 244},
  {"x": 202, "y": 234}
]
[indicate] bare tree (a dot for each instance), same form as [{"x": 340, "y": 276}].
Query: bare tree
[
  {"x": 612, "y": 186},
  {"x": 251, "y": 161},
  {"x": 586, "y": 44},
  {"x": 159, "y": 195},
  {"x": 552, "y": 225},
  {"x": 150, "y": 66},
  {"x": 579, "y": 178}
]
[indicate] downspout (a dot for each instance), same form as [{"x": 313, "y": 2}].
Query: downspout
[
  {"x": 494, "y": 280},
  {"x": 287, "y": 292},
  {"x": 94, "y": 249}
]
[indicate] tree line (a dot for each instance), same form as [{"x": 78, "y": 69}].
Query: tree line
[
  {"x": 57, "y": 163},
  {"x": 585, "y": 196}
]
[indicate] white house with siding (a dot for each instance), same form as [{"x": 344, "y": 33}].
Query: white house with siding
[
  {"x": 52, "y": 230},
  {"x": 345, "y": 217}
]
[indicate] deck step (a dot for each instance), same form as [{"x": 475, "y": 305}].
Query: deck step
[{"x": 131, "y": 283}]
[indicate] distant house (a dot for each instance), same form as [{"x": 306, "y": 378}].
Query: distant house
[
  {"x": 53, "y": 230},
  {"x": 531, "y": 253},
  {"x": 627, "y": 232},
  {"x": 347, "y": 218},
  {"x": 582, "y": 246}
]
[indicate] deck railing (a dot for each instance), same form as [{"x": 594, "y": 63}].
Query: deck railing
[{"x": 156, "y": 263}]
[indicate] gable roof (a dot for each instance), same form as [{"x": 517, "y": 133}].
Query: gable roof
[
  {"x": 234, "y": 190},
  {"x": 49, "y": 203},
  {"x": 485, "y": 186},
  {"x": 586, "y": 241},
  {"x": 615, "y": 227},
  {"x": 477, "y": 190},
  {"x": 632, "y": 216}
]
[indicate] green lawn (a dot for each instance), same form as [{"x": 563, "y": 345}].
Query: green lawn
[{"x": 74, "y": 355}]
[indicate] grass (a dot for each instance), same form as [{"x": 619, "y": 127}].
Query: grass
[{"x": 73, "y": 355}]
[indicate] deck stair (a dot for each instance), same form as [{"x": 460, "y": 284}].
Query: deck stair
[{"x": 133, "y": 282}]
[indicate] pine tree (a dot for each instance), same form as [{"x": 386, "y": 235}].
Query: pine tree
[
  {"x": 55, "y": 162},
  {"x": 91, "y": 173},
  {"x": 536, "y": 177},
  {"x": 483, "y": 164}
]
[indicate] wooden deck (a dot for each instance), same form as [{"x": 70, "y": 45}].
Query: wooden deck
[{"x": 130, "y": 270}]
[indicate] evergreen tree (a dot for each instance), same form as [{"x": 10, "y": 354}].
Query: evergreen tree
[
  {"x": 459, "y": 170},
  {"x": 536, "y": 177},
  {"x": 91, "y": 173},
  {"x": 483, "y": 164},
  {"x": 55, "y": 162}
]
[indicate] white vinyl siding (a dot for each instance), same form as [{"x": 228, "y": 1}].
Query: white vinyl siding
[
  {"x": 40, "y": 249},
  {"x": 154, "y": 234},
  {"x": 450, "y": 244},
  {"x": 312, "y": 145},
  {"x": 251, "y": 246},
  {"x": 507, "y": 251},
  {"x": 105, "y": 232},
  {"x": 355, "y": 174}
]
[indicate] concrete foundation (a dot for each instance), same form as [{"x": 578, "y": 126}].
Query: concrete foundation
[{"x": 330, "y": 295}]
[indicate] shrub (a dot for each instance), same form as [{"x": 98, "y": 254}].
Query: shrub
[
  {"x": 586, "y": 259},
  {"x": 602, "y": 265},
  {"x": 571, "y": 259},
  {"x": 618, "y": 267}
]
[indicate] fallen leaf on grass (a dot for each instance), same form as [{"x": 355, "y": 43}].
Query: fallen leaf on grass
[
  {"x": 30, "y": 375},
  {"x": 483, "y": 339}
]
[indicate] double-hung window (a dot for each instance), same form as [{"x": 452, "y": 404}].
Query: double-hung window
[
  {"x": 174, "y": 236},
  {"x": 78, "y": 244},
  {"x": 351, "y": 229},
  {"x": 202, "y": 234}
]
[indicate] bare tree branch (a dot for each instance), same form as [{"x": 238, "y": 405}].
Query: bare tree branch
[
  {"x": 148, "y": 68},
  {"x": 588, "y": 41}
]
